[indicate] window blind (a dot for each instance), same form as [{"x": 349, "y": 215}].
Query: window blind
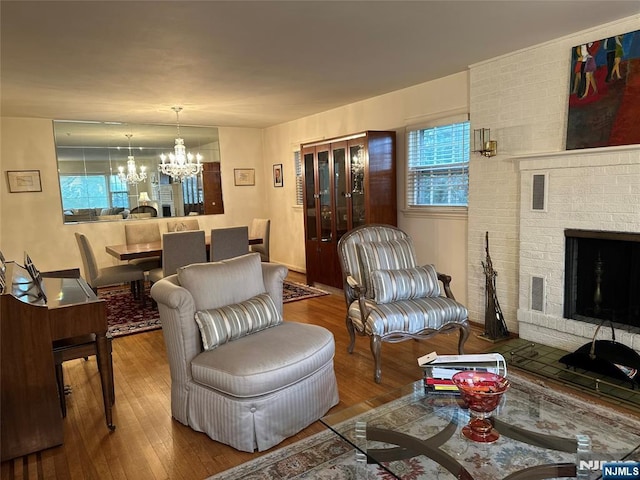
[
  {"x": 438, "y": 165},
  {"x": 298, "y": 166}
]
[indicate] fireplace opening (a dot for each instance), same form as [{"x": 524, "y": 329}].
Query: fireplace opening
[{"x": 602, "y": 276}]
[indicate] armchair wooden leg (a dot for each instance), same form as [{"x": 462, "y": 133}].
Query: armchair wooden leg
[
  {"x": 376, "y": 344},
  {"x": 464, "y": 334},
  {"x": 352, "y": 335}
]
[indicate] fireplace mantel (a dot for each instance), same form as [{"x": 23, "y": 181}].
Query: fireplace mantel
[{"x": 603, "y": 156}]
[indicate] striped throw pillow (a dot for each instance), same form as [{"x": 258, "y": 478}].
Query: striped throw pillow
[
  {"x": 385, "y": 255},
  {"x": 393, "y": 285},
  {"x": 224, "y": 324}
]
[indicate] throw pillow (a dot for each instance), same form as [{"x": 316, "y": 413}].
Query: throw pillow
[
  {"x": 217, "y": 284},
  {"x": 384, "y": 255},
  {"x": 393, "y": 285},
  {"x": 224, "y": 324}
]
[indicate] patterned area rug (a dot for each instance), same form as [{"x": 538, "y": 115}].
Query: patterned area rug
[
  {"x": 325, "y": 456},
  {"x": 297, "y": 291},
  {"x": 126, "y": 316}
]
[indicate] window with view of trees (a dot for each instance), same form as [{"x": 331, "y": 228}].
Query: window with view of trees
[
  {"x": 438, "y": 165},
  {"x": 84, "y": 191},
  {"x": 93, "y": 191}
]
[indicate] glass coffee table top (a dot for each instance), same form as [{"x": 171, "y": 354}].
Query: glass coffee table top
[{"x": 414, "y": 434}]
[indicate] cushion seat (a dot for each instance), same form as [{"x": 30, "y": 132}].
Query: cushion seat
[
  {"x": 118, "y": 274},
  {"x": 236, "y": 369},
  {"x": 409, "y": 316}
]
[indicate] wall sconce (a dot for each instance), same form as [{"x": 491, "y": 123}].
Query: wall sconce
[
  {"x": 144, "y": 198},
  {"x": 483, "y": 144}
]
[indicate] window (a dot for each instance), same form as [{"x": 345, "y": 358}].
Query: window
[
  {"x": 119, "y": 192},
  {"x": 298, "y": 165},
  {"x": 438, "y": 165},
  {"x": 84, "y": 191}
]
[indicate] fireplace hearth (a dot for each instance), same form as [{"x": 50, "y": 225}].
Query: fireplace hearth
[{"x": 602, "y": 276}]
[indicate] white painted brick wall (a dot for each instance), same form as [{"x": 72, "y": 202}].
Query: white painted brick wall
[
  {"x": 522, "y": 97},
  {"x": 592, "y": 192}
]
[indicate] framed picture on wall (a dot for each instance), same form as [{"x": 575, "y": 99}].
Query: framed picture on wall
[
  {"x": 244, "y": 176},
  {"x": 277, "y": 175},
  {"x": 603, "y": 111},
  {"x": 24, "y": 181}
]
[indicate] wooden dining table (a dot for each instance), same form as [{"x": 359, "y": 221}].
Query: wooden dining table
[{"x": 151, "y": 249}]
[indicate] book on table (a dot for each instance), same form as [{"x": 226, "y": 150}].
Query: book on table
[{"x": 439, "y": 369}]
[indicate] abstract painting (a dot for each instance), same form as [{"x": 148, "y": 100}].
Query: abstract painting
[{"x": 604, "y": 93}]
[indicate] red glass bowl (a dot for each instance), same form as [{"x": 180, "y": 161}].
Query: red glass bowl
[{"x": 481, "y": 392}]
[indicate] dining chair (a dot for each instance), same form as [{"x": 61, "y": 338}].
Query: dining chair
[
  {"x": 260, "y": 228},
  {"x": 183, "y": 224},
  {"x": 143, "y": 233},
  {"x": 228, "y": 243},
  {"x": 106, "y": 276},
  {"x": 178, "y": 250}
]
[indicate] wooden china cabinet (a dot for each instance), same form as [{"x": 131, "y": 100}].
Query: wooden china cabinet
[{"x": 348, "y": 181}]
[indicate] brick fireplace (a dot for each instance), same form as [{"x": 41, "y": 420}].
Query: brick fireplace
[{"x": 595, "y": 193}]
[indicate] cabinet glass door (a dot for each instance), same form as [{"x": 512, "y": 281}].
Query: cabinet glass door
[
  {"x": 324, "y": 192},
  {"x": 310, "y": 197},
  {"x": 340, "y": 189},
  {"x": 357, "y": 154}
]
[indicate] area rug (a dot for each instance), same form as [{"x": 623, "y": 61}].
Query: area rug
[
  {"x": 126, "y": 316},
  {"x": 326, "y": 456},
  {"x": 293, "y": 291}
]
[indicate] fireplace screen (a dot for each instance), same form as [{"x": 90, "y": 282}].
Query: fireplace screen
[{"x": 602, "y": 276}]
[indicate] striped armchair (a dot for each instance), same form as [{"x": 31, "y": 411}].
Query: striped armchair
[
  {"x": 389, "y": 297},
  {"x": 239, "y": 372}
]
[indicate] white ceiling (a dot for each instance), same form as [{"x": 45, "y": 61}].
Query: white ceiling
[{"x": 255, "y": 63}]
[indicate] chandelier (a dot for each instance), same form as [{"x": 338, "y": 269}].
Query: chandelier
[
  {"x": 131, "y": 176},
  {"x": 180, "y": 164}
]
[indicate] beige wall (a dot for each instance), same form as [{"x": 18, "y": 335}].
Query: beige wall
[
  {"x": 438, "y": 240},
  {"x": 32, "y": 222}
]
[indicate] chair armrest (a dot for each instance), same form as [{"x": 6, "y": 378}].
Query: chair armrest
[
  {"x": 446, "y": 283},
  {"x": 357, "y": 289},
  {"x": 273, "y": 276},
  {"x": 353, "y": 283},
  {"x": 171, "y": 294}
]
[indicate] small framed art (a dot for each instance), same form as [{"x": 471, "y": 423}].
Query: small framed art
[
  {"x": 244, "y": 176},
  {"x": 277, "y": 175},
  {"x": 24, "y": 181}
]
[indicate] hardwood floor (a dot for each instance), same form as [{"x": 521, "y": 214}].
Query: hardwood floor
[{"x": 148, "y": 444}]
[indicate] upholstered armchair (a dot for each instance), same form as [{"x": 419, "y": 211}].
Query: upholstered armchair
[
  {"x": 389, "y": 297},
  {"x": 239, "y": 373}
]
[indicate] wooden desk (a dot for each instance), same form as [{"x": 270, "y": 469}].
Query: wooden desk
[
  {"x": 30, "y": 409},
  {"x": 153, "y": 249}
]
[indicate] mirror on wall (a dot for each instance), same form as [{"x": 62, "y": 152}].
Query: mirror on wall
[{"x": 91, "y": 156}]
